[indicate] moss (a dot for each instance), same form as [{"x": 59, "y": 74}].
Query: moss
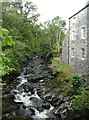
[
  {"x": 48, "y": 84},
  {"x": 62, "y": 68},
  {"x": 56, "y": 90},
  {"x": 61, "y": 83},
  {"x": 56, "y": 82}
]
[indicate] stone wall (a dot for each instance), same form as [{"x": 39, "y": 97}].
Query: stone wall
[
  {"x": 77, "y": 43},
  {"x": 75, "y": 48},
  {"x": 88, "y": 43},
  {"x": 65, "y": 50}
]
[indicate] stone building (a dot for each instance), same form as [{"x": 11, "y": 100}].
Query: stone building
[{"x": 75, "y": 49}]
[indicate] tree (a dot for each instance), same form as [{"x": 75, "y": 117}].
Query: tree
[
  {"x": 21, "y": 20},
  {"x": 6, "y": 40},
  {"x": 55, "y": 32}
]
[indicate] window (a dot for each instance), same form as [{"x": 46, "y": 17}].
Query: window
[
  {"x": 73, "y": 35},
  {"x": 82, "y": 53},
  {"x": 72, "y": 50},
  {"x": 83, "y": 32}
]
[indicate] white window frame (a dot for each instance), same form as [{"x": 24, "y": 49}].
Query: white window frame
[{"x": 83, "y": 32}]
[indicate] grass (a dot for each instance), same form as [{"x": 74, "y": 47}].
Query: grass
[{"x": 61, "y": 82}]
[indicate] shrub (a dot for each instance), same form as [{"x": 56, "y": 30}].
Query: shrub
[
  {"x": 76, "y": 81},
  {"x": 62, "y": 68},
  {"x": 81, "y": 101}
]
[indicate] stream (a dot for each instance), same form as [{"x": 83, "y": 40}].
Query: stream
[
  {"x": 28, "y": 98},
  {"x": 25, "y": 93}
]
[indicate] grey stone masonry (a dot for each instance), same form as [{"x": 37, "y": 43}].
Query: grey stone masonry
[
  {"x": 78, "y": 42},
  {"x": 75, "y": 48},
  {"x": 65, "y": 51}
]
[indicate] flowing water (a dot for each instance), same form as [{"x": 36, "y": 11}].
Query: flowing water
[{"x": 30, "y": 103}]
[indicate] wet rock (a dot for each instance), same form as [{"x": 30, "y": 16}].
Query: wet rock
[
  {"x": 67, "y": 98},
  {"x": 34, "y": 99},
  {"x": 24, "y": 95},
  {"x": 35, "y": 79},
  {"x": 41, "y": 81},
  {"x": 40, "y": 108},
  {"x": 64, "y": 108},
  {"x": 57, "y": 100},
  {"x": 36, "y": 71},
  {"x": 28, "y": 87},
  {"x": 29, "y": 94},
  {"x": 63, "y": 114},
  {"x": 56, "y": 111},
  {"x": 14, "y": 92},
  {"x": 48, "y": 97},
  {"x": 46, "y": 105},
  {"x": 37, "y": 103},
  {"x": 24, "y": 106},
  {"x": 18, "y": 101},
  {"x": 32, "y": 111}
]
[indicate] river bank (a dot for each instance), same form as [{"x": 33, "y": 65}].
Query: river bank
[
  {"x": 23, "y": 90},
  {"x": 35, "y": 94}
]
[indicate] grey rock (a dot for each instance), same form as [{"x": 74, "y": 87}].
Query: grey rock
[
  {"x": 48, "y": 97},
  {"x": 46, "y": 105},
  {"x": 27, "y": 87}
]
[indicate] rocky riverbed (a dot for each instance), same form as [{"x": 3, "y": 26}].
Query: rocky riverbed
[
  {"x": 29, "y": 97},
  {"x": 20, "y": 99}
]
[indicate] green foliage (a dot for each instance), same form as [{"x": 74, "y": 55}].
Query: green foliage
[
  {"x": 70, "y": 85},
  {"x": 4, "y": 68},
  {"x": 20, "y": 19},
  {"x": 20, "y": 24},
  {"x": 62, "y": 68},
  {"x": 61, "y": 83},
  {"x": 6, "y": 40},
  {"x": 76, "y": 81},
  {"x": 81, "y": 100},
  {"x": 29, "y": 37},
  {"x": 52, "y": 36}
]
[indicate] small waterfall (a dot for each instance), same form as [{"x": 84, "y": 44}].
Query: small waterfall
[{"x": 31, "y": 103}]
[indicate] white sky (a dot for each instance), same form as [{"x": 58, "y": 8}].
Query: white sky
[{"x": 48, "y": 9}]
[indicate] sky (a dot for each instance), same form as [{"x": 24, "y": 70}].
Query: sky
[{"x": 48, "y": 9}]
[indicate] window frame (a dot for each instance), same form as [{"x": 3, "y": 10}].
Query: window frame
[
  {"x": 83, "y": 32},
  {"x": 73, "y": 35}
]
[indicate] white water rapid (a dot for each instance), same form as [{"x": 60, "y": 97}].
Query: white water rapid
[{"x": 31, "y": 103}]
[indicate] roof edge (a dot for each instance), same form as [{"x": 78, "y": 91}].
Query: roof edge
[{"x": 79, "y": 11}]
